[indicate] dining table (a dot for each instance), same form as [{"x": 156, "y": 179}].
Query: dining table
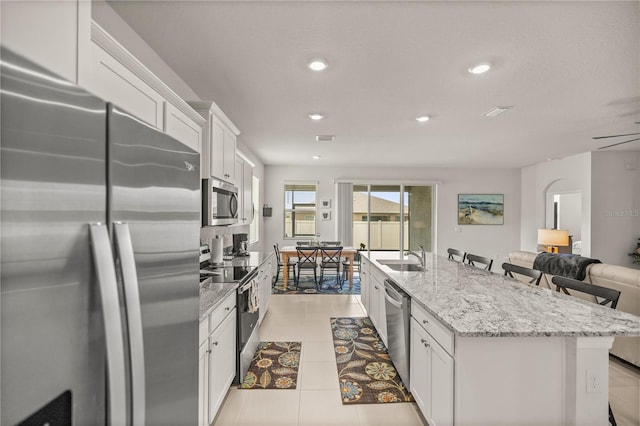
[{"x": 291, "y": 251}]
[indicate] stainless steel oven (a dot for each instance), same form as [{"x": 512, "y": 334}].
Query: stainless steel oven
[
  {"x": 219, "y": 203},
  {"x": 248, "y": 314}
]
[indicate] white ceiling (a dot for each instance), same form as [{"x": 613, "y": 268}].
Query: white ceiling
[{"x": 571, "y": 70}]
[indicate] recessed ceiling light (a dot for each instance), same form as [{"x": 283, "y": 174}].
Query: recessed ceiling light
[
  {"x": 316, "y": 116},
  {"x": 325, "y": 138},
  {"x": 316, "y": 157},
  {"x": 480, "y": 68},
  {"x": 496, "y": 111},
  {"x": 422, "y": 118},
  {"x": 318, "y": 64}
]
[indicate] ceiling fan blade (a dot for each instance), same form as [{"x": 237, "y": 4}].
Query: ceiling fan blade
[
  {"x": 619, "y": 143},
  {"x": 615, "y": 136}
]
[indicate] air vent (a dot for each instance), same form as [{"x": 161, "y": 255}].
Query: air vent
[
  {"x": 496, "y": 111},
  {"x": 325, "y": 138}
]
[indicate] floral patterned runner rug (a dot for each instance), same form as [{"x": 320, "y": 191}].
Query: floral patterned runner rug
[
  {"x": 274, "y": 366},
  {"x": 365, "y": 370}
]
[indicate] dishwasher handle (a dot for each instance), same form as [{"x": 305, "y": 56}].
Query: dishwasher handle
[{"x": 392, "y": 295}]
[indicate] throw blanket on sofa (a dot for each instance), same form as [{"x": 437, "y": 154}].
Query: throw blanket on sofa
[{"x": 565, "y": 265}]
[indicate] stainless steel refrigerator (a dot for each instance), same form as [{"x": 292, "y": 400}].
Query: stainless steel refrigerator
[{"x": 100, "y": 218}]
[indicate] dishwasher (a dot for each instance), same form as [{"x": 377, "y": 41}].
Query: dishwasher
[{"x": 398, "y": 312}]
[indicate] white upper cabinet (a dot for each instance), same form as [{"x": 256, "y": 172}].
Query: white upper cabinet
[
  {"x": 218, "y": 157},
  {"x": 46, "y": 32},
  {"x": 181, "y": 127},
  {"x": 113, "y": 73}
]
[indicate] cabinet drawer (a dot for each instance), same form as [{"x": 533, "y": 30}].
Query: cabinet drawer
[
  {"x": 217, "y": 316},
  {"x": 203, "y": 331},
  {"x": 440, "y": 333}
]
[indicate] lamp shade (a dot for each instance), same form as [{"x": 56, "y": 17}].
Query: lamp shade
[{"x": 553, "y": 237}]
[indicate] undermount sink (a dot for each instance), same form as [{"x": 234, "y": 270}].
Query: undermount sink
[
  {"x": 406, "y": 267},
  {"x": 397, "y": 262}
]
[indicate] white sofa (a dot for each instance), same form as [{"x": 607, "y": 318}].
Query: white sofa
[{"x": 626, "y": 280}]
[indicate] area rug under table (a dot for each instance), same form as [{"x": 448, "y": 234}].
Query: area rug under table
[
  {"x": 307, "y": 285},
  {"x": 274, "y": 366},
  {"x": 365, "y": 370}
]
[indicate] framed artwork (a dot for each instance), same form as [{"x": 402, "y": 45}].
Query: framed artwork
[
  {"x": 325, "y": 215},
  {"x": 480, "y": 209},
  {"x": 326, "y": 203}
]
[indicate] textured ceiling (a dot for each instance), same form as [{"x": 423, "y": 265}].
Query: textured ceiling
[{"x": 571, "y": 70}]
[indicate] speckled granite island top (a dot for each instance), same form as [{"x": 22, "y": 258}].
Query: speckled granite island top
[
  {"x": 473, "y": 302},
  {"x": 212, "y": 294}
]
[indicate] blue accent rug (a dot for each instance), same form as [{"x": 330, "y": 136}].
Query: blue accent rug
[{"x": 308, "y": 286}]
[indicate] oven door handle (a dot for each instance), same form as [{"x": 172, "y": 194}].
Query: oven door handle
[{"x": 244, "y": 288}]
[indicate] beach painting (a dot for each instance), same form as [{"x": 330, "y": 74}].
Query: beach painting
[{"x": 480, "y": 209}]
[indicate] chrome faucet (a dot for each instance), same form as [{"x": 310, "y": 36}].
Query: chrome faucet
[{"x": 422, "y": 256}]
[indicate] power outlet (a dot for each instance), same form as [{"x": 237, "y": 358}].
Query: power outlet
[{"x": 595, "y": 380}]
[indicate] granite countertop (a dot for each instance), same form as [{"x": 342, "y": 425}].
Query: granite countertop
[
  {"x": 473, "y": 302},
  {"x": 212, "y": 294}
]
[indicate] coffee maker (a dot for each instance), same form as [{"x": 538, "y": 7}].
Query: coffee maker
[{"x": 240, "y": 245}]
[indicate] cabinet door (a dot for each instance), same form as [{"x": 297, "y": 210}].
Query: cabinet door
[
  {"x": 222, "y": 362},
  {"x": 203, "y": 380},
  {"x": 431, "y": 377},
  {"x": 45, "y": 32},
  {"x": 181, "y": 127},
  {"x": 229, "y": 159},
  {"x": 419, "y": 370},
  {"x": 374, "y": 305},
  {"x": 247, "y": 204},
  {"x": 114, "y": 82},
  {"x": 365, "y": 286},
  {"x": 216, "y": 147},
  {"x": 441, "y": 384}
]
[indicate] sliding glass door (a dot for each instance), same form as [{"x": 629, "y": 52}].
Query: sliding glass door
[{"x": 388, "y": 217}]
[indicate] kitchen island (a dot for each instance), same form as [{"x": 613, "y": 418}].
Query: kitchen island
[{"x": 486, "y": 349}]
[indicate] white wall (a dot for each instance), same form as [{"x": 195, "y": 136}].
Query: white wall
[
  {"x": 615, "y": 206},
  {"x": 538, "y": 182},
  {"x": 570, "y": 214},
  {"x": 495, "y": 241}
]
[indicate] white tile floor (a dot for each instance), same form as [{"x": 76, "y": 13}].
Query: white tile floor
[{"x": 316, "y": 401}]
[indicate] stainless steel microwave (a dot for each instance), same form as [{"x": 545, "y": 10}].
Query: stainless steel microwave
[{"x": 219, "y": 203}]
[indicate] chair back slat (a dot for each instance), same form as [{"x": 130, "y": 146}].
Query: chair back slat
[
  {"x": 534, "y": 274},
  {"x": 609, "y": 295},
  {"x": 332, "y": 255},
  {"x": 472, "y": 259},
  {"x": 455, "y": 252},
  {"x": 307, "y": 255}
]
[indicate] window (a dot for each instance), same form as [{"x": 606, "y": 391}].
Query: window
[
  {"x": 254, "y": 228},
  {"x": 299, "y": 210}
]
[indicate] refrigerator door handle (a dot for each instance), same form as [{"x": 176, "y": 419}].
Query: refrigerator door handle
[
  {"x": 106, "y": 276},
  {"x": 124, "y": 252}
]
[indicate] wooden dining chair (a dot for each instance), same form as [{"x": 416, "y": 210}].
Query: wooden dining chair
[
  {"x": 307, "y": 260},
  {"x": 472, "y": 259},
  {"x": 608, "y": 295},
  {"x": 455, "y": 252},
  {"x": 291, "y": 263},
  {"x": 534, "y": 274},
  {"x": 331, "y": 259}
]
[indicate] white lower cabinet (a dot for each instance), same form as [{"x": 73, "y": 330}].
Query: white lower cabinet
[
  {"x": 217, "y": 359},
  {"x": 222, "y": 362},
  {"x": 377, "y": 309},
  {"x": 365, "y": 285},
  {"x": 431, "y": 371},
  {"x": 265, "y": 276}
]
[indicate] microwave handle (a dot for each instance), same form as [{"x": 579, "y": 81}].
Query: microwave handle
[{"x": 233, "y": 205}]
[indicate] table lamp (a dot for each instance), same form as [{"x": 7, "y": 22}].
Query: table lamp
[{"x": 552, "y": 238}]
